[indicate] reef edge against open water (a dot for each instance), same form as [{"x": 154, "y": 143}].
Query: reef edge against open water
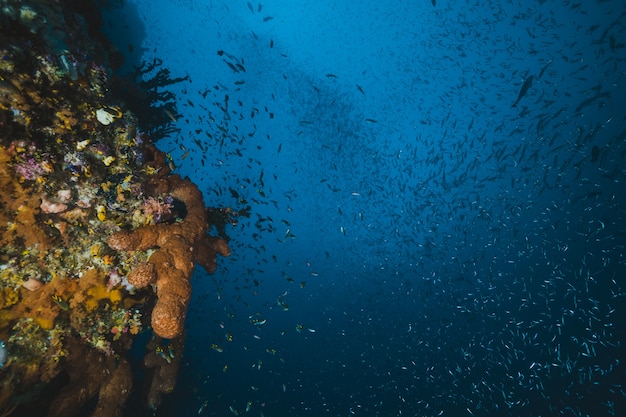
[{"x": 98, "y": 238}]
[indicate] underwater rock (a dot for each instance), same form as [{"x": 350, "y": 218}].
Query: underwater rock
[{"x": 164, "y": 364}]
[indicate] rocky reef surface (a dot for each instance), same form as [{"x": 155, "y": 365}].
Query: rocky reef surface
[{"x": 98, "y": 238}]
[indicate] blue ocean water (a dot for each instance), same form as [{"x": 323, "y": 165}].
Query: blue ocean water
[{"x": 437, "y": 198}]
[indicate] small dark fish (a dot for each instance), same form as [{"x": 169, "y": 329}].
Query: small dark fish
[
  {"x": 360, "y": 89},
  {"x": 371, "y": 120},
  {"x": 595, "y": 154},
  {"x": 544, "y": 69},
  {"x": 250, "y": 7},
  {"x": 231, "y": 66},
  {"x": 612, "y": 43},
  {"x": 271, "y": 43},
  {"x": 434, "y": 2},
  {"x": 331, "y": 76},
  {"x": 268, "y": 18},
  {"x": 525, "y": 87}
]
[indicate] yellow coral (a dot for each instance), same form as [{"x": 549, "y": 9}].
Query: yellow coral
[
  {"x": 101, "y": 213},
  {"x": 115, "y": 296},
  {"x": 95, "y": 250},
  {"x": 91, "y": 304},
  {"x": 99, "y": 292},
  {"x": 67, "y": 119},
  {"x": 45, "y": 322},
  {"x": 8, "y": 297}
]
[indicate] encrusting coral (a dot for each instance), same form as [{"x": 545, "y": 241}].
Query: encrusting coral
[
  {"x": 170, "y": 267},
  {"x": 77, "y": 173}
]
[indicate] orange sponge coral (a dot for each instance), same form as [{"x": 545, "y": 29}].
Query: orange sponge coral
[
  {"x": 171, "y": 266},
  {"x": 208, "y": 248},
  {"x": 142, "y": 276}
]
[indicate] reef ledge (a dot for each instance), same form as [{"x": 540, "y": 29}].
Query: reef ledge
[{"x": 98, "y": 238}]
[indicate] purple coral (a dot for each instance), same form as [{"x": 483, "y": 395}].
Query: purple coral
[
  {"x": 158, "y": 207},
  {"x": 29, "y": 168}
]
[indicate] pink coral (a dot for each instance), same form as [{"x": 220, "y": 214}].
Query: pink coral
[
  {"x": 157, "y": 208},
  {"x": 51, "y": 207},
  {"x": 29, "y": 168}
]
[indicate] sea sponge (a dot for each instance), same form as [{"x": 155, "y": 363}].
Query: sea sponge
[
  {"x": 171, "y": 266},
  {"x": 208, "y": 248},
  {"x": 143, "y": 275}
]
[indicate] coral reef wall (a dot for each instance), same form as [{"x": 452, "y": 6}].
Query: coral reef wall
[{"x": 98, "y": 238}]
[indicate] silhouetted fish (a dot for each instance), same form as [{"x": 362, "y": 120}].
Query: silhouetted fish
[
  {"x": 544, "y": 69},
  {"x": 525, "y": 87},
  {"x": 595, "y": 154}
]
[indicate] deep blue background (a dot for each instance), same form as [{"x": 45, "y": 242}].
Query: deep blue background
[{"x": 453, "y": 255}]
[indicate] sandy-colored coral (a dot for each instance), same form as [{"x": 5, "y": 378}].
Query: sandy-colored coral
[{"x": 173, "y": 263}]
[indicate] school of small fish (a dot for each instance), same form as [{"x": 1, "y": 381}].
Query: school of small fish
[{"x": 458, "y": 252}]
